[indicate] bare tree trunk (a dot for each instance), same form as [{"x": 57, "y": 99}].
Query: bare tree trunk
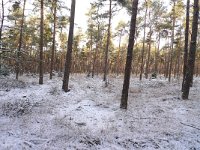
[
  {"x": 178, "y": 61},
  {"x": 192, "y": 52},
  {"x": 148, "y": 56},
  {"x": 157, "y": 54},
  {"x": 186, "y": 41},
  {"x": 2, "y": 19},
  {"x": 20, "y": 42},
  {"x": 41, "y": 43},
  {"x": 124, "y": 98},
  {"x": 172, "y": 44},
  {"x": 1, "y": 28},
  {"x": 107, "y": 46},
  {"x": 118, "y": 55},
  {"x": 54, "y": 39},
  {"x": 68, "y": 60},
  {"x": 143, "y": 45}
]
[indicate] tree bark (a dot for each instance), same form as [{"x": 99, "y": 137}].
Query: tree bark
[
  {"x": 129, "y": 57},
  {"x": 157, "y": 54},
  {"x": 41, "y": 43},
  {"x": 172, "y": 43},
  {"x": 107, "y": 45},
  {"x": 20, "y": 42},
  {"x": 118, "y": 55},
  {"x": 186, "y": 41},
  {"x": 192, "y": 52},
  {"x": 2, "y": 19},
  {"x": 69, "y": 48},
  {"x": 143, "y": 44},
  {"x": 1, "y": 28},
  {"x": 54, "y": 39}
]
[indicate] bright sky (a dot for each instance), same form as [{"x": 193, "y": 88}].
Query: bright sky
[{"x": 82, "y": 7}]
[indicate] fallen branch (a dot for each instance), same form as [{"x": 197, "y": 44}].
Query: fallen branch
[{"x": 190, "y": 126}]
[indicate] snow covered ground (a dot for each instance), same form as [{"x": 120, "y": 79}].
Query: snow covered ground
[{"x": 44, "y": 117}]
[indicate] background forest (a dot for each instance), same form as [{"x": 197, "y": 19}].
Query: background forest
[
  {"x": 147, "y": 50},
  {"x": 159, "y": 41}
]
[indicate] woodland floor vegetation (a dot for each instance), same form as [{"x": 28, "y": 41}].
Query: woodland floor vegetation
[{"x": 88, "y": 116}]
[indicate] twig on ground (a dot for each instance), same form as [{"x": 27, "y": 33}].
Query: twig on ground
[{"x": 190, "y": 126}]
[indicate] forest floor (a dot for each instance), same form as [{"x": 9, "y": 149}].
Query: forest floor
[{"x": 43, "y": 117}]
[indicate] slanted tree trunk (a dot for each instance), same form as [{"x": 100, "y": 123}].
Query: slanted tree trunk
[
  {"x": 129, "y": 56},
  {"x": 186, "y": 40},
  {"x": 68, "y": 58},
  {"x": 20, "y": 42},
  {"x": 192, "y": 52},
  {"x": 107, "y": 45},
  {"x": 143, "y": 43},
  {"x": 54, "y": 39},
  {"x": 41, "y": 42}
]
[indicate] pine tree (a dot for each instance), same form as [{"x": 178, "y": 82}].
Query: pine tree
[
  {"x": 192, "y": 52},
  {"x": 41, "y": 42},
  {"x": 129, "y": 57},
  {"x": 186, "y": 40},
  {"x": 68, "y": 60}
]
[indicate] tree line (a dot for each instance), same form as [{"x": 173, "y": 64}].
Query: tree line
[{"x": 162, "y": 40}]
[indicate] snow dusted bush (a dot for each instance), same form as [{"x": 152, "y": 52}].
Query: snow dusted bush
[
  {"x": 54, "y": 91},
  {"x": 18, "y": 108},
  {"x": 155, "y": 84},
  {"x": 11, "y": 83},
  {"x": 89, "y": 141}
]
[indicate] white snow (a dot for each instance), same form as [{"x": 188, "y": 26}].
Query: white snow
[{"x": 36, "y": 116}]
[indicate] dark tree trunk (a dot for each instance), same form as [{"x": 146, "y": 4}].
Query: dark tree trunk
[
  {"x": 20, "y": 42},
  {"x": 192, "y": 52},
  {"x": 54, "y": 39},
  {"x": 2, "y": 19},
  {"x": 186, "y": 41},
  {"x": 41, "y": 43},
  {"x": 129, "y": 57},
  {"x": 69, "y": 48},
  {"x": 107, "y": 45}
]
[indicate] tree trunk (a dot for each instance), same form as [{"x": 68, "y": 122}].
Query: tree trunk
[
  {"x": 41, "y": 43},
  {"x": 129, "y": 57},
  {"x": 157, "y": 54},
  {"x": 172, "y": 43},
  {"x": 179, "y": 60},
  {"x": 143, "y": 45},
  {"x": 20, "y": 42},
  {"x": 1, "y": 28},
  {"x": 2, "y": 19},
  {"x": 54, "y": 39},
  {"x": 118, "y": 63},
  {"x": 69, "y": 48},
  {"x": 191, "y": 59},
  {"x": 107, "y": 45},
  {"x": 186, "y": 41},
  {"x": 149, "y": 53}
]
